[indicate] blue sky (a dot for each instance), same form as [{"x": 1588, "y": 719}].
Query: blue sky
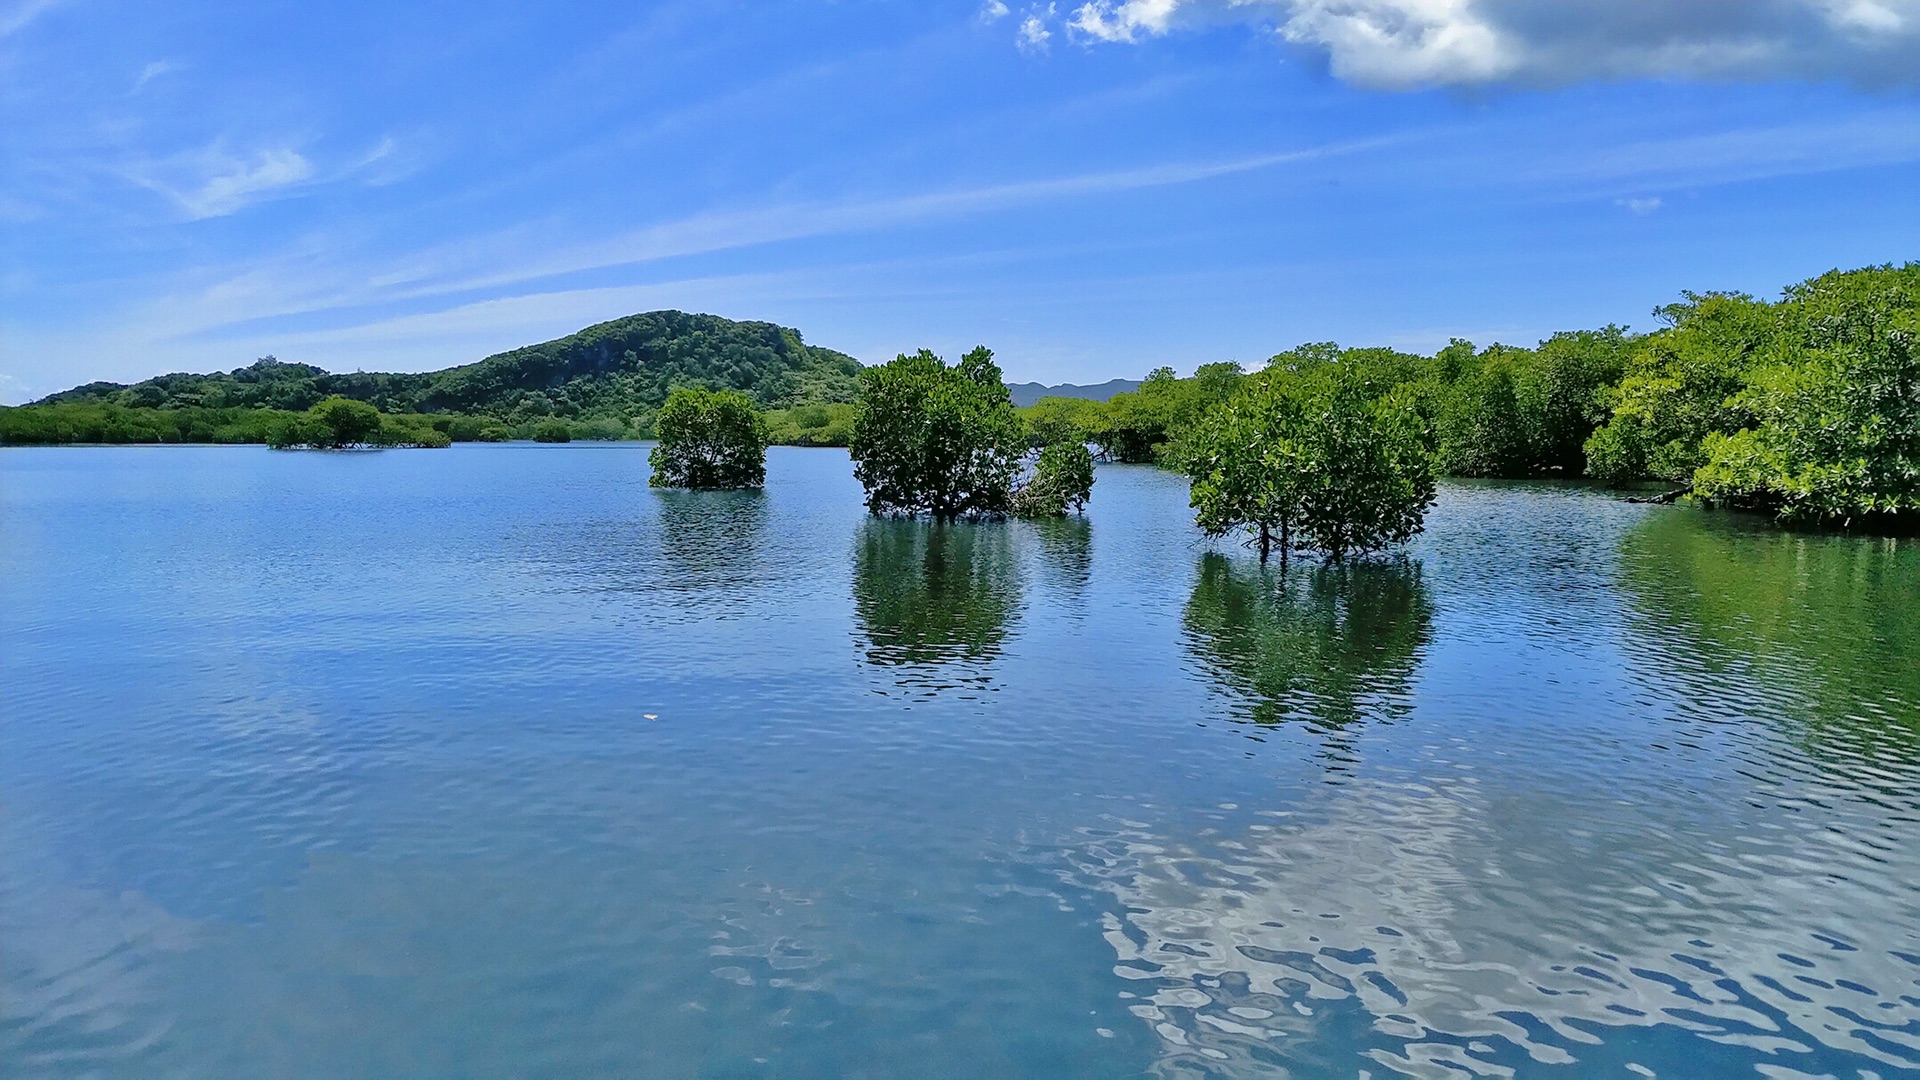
[{"x": 1091, "y": 190}]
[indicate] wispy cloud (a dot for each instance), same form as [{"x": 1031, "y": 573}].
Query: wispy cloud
[
  {"x": 151, "y": 72},
  {"x": 213, "y": 182},
  {"x": 993, "y": 11},
  {"x": 15, "y": 17},
  {"x": 1885, "y": 138},
  {"x": 1641, "y": 207},
  {"x": 450, "y": 271},
  {"x": 445, "y": 304}
]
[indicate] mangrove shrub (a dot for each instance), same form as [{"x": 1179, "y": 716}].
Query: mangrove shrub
[
  {"x": 932, "y": 439},
  {"x": 1316, "y": 462},
  {"x": 709, "y": 439},
  {"x": 552, "y": 431},
  {"x": 1061, "y": 483}
]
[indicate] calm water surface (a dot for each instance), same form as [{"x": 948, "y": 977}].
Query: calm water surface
[{"x": 492, "y": 762}]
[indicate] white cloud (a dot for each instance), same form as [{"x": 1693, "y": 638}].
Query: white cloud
[
  {"x": 1128, "y": 20},
  {"x": 993, "y": 11},
  {"x": 1642, "y": 207},
  {"x": 1400, "y": 44},
  {"x": 1034, "y": 35}
]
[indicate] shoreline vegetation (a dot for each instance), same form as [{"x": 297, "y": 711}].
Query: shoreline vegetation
[{"x": 1806, "y": 408}]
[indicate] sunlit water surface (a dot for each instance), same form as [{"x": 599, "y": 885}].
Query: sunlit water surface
[{"x": 492, "y": 762}]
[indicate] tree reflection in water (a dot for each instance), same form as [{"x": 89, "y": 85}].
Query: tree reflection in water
[
  {"x": 1065, "y": 557},
  {"x": 935, "y": 599},
  {"x": 711, "y": 549},
  {"x": 1817, "y": 631},
  {"x": 1323, "y": 645}
]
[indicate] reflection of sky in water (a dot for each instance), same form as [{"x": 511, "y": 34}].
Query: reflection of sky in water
[
  {"x": 1471, "y": 933},
  {"x": 497, "y": 762},
  {"x": 1576, "y": 838}
]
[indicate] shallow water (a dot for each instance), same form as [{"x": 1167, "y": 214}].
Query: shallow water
[{"x": 494, "y": 762}]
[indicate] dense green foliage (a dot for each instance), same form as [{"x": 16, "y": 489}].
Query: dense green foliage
[
  {"x": 1062, "y": 420},
  {"x": 1061, "y": 483},
  {"x": 1500, "y": 411},
  {"x": 615, "y": 374},
  {"x": 265, "y": 384},
  {"x": 939, "y": 440},
  {"x": 1807, "y": 408},
  {"x": 709, "y": 439},
  {"x": 1322, "y": 460},
  {"x": 1678, "y": 388},
  {"x": 1140, "y": 426},
  {"x": 92, "y": 422},
  {"x": 1830, "y": 405},
  {"x": 338, "y": 423},
  {"x": 552, "y": 431},
  {"x": 95, "y": 422},
  {"x": 818, "y": 424},
  {"x": 1521, "y": 412}
]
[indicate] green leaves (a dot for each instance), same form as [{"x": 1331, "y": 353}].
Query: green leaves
[
  {"x": 710, "y": 440},
  {"x": 338, "y": 423},
  {"x": 1313, "y": 462},
  {"x": 938, "y": 440},
  {"x": 1836, "y": 432},
  {"x": 1062, "y": 481},
  {"x": 1808, "y": 409}
]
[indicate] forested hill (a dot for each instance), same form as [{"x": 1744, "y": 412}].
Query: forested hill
[{"x": 620, "y": 369}]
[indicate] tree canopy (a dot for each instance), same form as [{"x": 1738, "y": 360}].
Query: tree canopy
[
  {"x": 938, "y": 440},
  {"x": 1321, "y": 462},
  {"x": 709, "y": 439},
  {"x": 1803, "y": 408},
  {"x": 1829, "y": 408}
]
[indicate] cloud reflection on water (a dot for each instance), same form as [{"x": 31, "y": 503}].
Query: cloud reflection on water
[{"x": 1469, "y": 933}]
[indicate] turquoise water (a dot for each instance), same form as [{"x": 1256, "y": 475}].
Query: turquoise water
[{"x": 494, "y": 762}]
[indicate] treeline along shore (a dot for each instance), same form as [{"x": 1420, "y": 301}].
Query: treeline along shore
[{"x": 1806, "y": 407}]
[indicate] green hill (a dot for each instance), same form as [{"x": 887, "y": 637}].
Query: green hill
[{"x": 616, "y": 371}]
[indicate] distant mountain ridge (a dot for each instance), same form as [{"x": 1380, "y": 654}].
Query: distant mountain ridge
[
  {"x": 1026, "y": 393},
  {"x": 618, "y": 369}
]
